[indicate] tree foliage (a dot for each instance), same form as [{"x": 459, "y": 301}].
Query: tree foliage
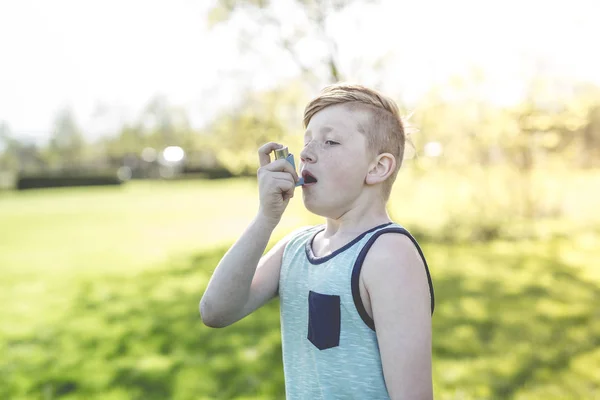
[
  {"x": 262, "y": 117},
  {"x": 302, "y": 21},
  {"x": 67, "y": 142}
]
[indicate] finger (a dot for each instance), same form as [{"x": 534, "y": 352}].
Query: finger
[
  {"x": 284, "y": 176},
  {"x": 287, "y": 196},
  {"x": 282, "y": 166},
  {"x": 282, "y": 180},
  {"x": 287, "y": 188},
  {"x": 264, "y": 152}
]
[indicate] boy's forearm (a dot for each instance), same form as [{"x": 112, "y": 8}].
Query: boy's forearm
[{"x": 229, "y": 287}]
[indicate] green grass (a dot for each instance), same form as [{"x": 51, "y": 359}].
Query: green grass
[{"x": 100, "y": 289}]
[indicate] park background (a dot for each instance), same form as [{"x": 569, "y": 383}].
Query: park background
[{"x": 128, "y": 138}]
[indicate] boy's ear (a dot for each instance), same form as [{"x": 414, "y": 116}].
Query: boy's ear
[{"x": 381, "y": 168}]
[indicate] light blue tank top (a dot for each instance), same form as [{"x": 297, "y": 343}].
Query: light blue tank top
[{"x": 329, "y": 344}]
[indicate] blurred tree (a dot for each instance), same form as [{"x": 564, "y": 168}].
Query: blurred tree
[
  {"x": 546, "y": 129},
  {"x": 163, "y": 124},
  {"x": 459, "y": 118},
  {"x": 4, "y": 132},
  {"x": 8, "y": 149},
  {"x": 548, "y": 125},
  {"x": 588, "y": 102},
  {"x": 590, "y": 145},
  {"x": 308, "y": 21},
  {"x": 555, "y": 125},
  {"x": 159, "y": 125},
  {"x": 131, "y": 139},
  {"x": 550, "y": 121},
  {"x": 235, "y": 136},
  {"x": 18, "y": 155},
  {"x": 66, "y": 146},
  {"x": 4, "y": 136}
]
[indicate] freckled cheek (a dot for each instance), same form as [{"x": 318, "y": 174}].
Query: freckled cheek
[{"x": 346, "y": 175}]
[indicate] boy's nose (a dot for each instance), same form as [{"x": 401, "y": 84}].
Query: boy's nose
[
  {"x": 307, "y": 155},
  {"x": 306, "y": 158}
]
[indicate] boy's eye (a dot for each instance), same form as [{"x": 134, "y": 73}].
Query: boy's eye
[{"x": 330, "y": 142}]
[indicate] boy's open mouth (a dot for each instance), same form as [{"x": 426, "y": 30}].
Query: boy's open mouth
[{"x": 308, "y": 178}]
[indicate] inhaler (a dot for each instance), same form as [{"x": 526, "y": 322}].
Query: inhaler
[{"x": 284, "y": 153}]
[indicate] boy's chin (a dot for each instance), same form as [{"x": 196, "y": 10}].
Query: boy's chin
[
  {"x": 310, "y": 205},
  {"x": 322, "y": 210}
]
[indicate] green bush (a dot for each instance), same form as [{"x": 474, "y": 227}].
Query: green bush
[
  {"x": 64, "y": 180},
  {"x": 217, "y": 172}
]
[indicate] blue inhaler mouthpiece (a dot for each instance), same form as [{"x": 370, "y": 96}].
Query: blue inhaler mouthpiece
[{"x": 284, "y": 153}]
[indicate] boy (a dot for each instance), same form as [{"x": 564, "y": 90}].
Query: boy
[{"x": 356, "y": 299}]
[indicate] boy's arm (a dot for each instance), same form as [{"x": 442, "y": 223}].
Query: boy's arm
[
  {"x": 395, "y": 278},
  {"x": 244, "y": 281}
]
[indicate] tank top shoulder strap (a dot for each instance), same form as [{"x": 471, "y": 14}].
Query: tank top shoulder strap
[{"x": 369, "y": 240}]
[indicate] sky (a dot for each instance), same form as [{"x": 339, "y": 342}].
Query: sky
[{"x": 106, "y": 59}]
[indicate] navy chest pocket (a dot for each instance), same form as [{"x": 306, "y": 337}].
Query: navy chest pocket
[{"x": 324, "y": 320}]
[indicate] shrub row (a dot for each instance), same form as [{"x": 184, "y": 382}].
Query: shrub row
[{"x": 64, "y": 180}]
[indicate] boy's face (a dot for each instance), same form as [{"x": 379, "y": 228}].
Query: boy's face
[{"x": 335, "y": 153}]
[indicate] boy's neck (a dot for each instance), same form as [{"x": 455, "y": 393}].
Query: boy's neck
[{"x": 356, "y": 221}]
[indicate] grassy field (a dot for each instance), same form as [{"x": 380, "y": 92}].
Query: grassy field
[{"x": 100, "y": 289}]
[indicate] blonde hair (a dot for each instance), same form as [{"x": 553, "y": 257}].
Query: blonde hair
[{"x": 384, "y": 130}]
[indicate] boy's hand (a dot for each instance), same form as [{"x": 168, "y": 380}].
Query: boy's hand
[{"x": 276, "y": 183}]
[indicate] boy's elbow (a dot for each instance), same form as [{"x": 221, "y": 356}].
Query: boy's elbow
[
  {"x": 212, "y": 323},
  {"x": 208, "y": 318}
]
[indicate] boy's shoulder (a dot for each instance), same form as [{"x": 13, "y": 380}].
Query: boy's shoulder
[
  {"x": 395, "y": 266},
  {"x": 393, "y": 246},
  {"x": 391, "y": 255}
]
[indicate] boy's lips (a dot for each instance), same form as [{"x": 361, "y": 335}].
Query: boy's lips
[{"x": 309, "y": 178}]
